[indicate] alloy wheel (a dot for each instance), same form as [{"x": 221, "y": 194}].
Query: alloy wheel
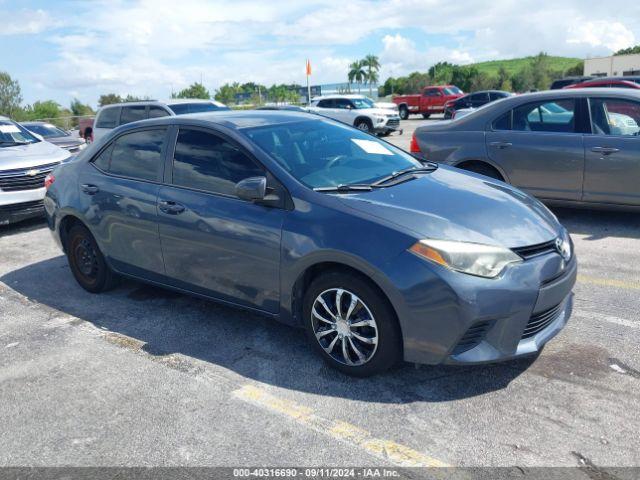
[{"x": 344, "y": 327}]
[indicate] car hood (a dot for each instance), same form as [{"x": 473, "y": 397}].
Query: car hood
[
  {"x": 451, "y": 205},
  {"x": 31, "y": 155}
]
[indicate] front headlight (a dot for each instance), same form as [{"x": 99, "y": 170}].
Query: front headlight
[{"x": 472, "y": 258}]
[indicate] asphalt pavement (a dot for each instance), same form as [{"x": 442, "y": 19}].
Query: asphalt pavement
[{"x": 142, "y": 376}]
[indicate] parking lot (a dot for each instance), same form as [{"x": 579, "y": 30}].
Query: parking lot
[{"x": 144, "y": 376}]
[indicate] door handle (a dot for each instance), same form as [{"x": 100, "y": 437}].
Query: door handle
[
  {"x": 605, "y": 150},
  {"x": 501, "y": 144},
  {"x": 171, "y": 208},
  {"x": 90, "y": 189}
]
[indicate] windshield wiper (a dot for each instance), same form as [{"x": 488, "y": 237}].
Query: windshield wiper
[
  {"x": 409, "y": 172},
  {"x": 346, "y": 188}
]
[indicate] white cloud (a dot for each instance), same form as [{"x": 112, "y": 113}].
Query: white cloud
[
  {"x": 611, "y": 35},
  {"x": 25, "y": 22},
  {"x": 146, "y": 47}
]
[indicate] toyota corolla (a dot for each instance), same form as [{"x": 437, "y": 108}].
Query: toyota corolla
[{"x": 378, "y": 256}]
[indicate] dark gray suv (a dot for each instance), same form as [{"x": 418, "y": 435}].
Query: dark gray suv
[{"x": 378, "y": 256}]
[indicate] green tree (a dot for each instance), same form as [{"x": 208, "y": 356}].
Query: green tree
[
  {"x": 523, "y": 80},
  {"x": 226, "y": 94},
  {"x": 628, "y": 51},
  {"x": 371, "y": 64},
  {"x": 356, "y": 73},
  {"x": 195, "y": 90},
  {"x": 108, "y": 99},
  {"x": 10, "y": 95},
  {"x": 575, "y": 71}
]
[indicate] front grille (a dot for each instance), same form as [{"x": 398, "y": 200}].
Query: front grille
[
  {"x": 25, "y": 178},
  {"x": 540, "y": 321},
  {"x": 536, "y": 250},
  {"x": 472, "y": 337},
  {"x": 18, "y": 207},
  {"x": 394, "y": 122}
]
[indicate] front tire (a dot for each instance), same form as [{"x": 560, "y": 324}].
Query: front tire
[
  {"x": 87, "y": 262},
  {"x": 364, "y": 125},
  {"x": 403, "y": 111},
  {"x": 351, "y": 325}
]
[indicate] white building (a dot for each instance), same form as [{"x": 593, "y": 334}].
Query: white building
[{"x": 614, "y": 66}]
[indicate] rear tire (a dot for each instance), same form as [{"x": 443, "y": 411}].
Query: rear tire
[
  {"x": 87, "y": 262},
  {"x": 482, "y": 169},
  {"x": 403, "y": 111},
  {"x": 364, "y": 326}
]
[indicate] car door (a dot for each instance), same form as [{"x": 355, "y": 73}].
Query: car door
[
  {"x": 612, "y": 152},
  {"x": 539, "y": 148},
  {"x": 345, "y": 111},
  {"x": 213, "y": 242},
  {"x": 119, "y": 193},
  {"x": 430, "y": 99}
]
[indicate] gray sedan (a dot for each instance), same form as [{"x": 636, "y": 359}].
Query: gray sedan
[
  {"x": 572, "y": 147},
  {"x": 57, "y": 136}
]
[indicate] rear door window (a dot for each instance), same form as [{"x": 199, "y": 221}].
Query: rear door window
[
  {"x": 133, "y": 114},
  {"x": 548, "y": 116},
  {"x": 138, "y": 155},
  {"x": 108, "y": 118},
  {"x": 204, "y": 161},
  {"x": 329, "y": 103}
]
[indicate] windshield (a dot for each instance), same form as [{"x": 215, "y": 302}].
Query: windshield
[
  {"x": 47, "y": 131},
  {"x": 11, "y": 134},
  {"x": 361, "y": 103},
  {"x": 452, "y": 91},
  {"x": 321, "y": 153}
]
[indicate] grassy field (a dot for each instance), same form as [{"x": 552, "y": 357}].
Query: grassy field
[{"x": 513, "y": 66}]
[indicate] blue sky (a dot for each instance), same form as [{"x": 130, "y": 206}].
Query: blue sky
[{"x": 64, "y": 49}]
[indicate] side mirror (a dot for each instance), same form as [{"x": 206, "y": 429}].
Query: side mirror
[{"x": 252, "y": 189}]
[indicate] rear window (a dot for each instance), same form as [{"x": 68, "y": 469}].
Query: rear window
[
  {"x": 108, "y": 118},
  {"x": 196, "y": 107},
  {"x": 135, "y": 155},
  {"x": 133, "y": 114}
]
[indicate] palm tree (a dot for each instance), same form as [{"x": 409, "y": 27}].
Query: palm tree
[
  {"x": 356, "y": 73},
  {"x": 372, "y": 65}
]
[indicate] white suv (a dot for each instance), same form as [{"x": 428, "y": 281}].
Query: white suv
[
  {"x": 114, "y": 115},
  {"x": 25, "y": 161},
  {"x": 359, "y": 111}
]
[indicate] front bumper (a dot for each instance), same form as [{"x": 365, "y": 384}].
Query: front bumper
[
  {"x": 454, "y": 318},
  {"x": 389, "y": 126},
  {"x": 21, "y": 205}
]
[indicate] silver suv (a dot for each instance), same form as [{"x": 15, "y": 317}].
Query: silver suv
[
  {"x": 25, "y": 161},
  {"x": 112, "y": 116}
]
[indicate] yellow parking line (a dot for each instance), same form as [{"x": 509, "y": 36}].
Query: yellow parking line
[
  {"x": 609, "y": 282},
  {"x": 386, "y": 450}
]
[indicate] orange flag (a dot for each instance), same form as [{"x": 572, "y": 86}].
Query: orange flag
[{"x": 308, "y": 68}]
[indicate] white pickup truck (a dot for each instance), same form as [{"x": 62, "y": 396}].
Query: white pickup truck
[{"x": 359, "y": 111}]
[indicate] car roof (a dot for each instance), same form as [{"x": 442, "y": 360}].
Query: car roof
[
  {"x": 36, "y": 123},
  {"x": 173, "y": 101},
  {"x": 234, "y": 120},
  {"x": 338, "y": 95}
]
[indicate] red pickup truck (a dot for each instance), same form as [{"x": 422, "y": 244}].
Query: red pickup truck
[{"x": 431, "y": 100}]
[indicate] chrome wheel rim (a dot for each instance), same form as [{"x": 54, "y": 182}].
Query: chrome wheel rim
[
  {"x": 344, "y": 327},
  {"x": 363, "y": 126}
]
